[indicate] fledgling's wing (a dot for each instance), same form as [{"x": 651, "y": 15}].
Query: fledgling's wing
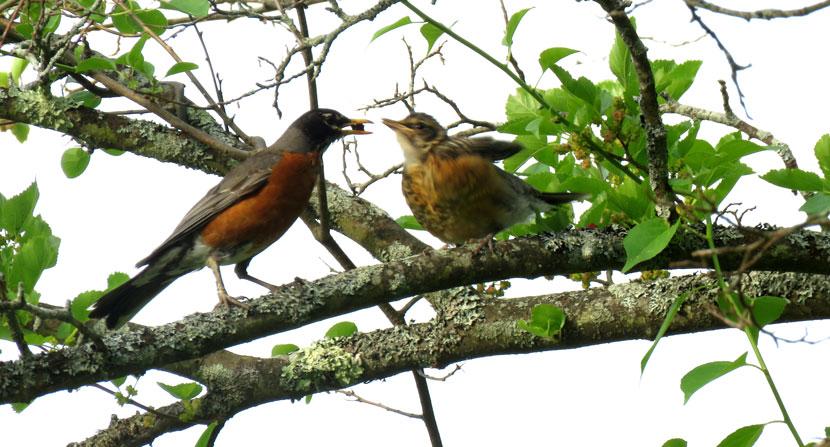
[{"x": 493, "y": 149}]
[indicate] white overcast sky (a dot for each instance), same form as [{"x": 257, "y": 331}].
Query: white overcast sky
[{"x": 122, "y": 207}]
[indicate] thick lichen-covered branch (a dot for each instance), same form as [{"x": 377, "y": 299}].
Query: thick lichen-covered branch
[
  {"x": 472, "y": 327},
  {"x": 96, "y": 129},
  {"x": 298, "y": 304}
]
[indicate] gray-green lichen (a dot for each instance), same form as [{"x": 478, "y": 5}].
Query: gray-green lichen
[{"x": 321, "y": 364}]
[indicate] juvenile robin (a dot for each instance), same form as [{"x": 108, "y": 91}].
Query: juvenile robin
[
  {"x": 250, "y": 208},
  {"x": 454, "y": 189}
]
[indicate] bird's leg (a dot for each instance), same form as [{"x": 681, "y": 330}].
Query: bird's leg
[
  {"x": 486, "y": 240},
  {"x": 224, "y": 298},
  {"x": 241, "y": 271}
]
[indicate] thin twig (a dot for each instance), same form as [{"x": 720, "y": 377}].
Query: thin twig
[
  {"x": 357, "y": 398},
  {"x": 133, "y": 402},
  {"x": 213, "y": 106},
  {"x": 733, "y": 66}
]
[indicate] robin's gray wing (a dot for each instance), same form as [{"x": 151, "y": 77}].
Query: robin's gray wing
[{"x": 244, "y": 179}]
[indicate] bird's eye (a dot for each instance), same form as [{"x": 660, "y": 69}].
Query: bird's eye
[{"x": 417, "y": 126}]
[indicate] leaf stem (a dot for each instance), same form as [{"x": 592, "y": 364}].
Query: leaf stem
[{"x": 753, "y": 341}]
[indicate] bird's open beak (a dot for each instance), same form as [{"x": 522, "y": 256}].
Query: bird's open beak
[{"x": 356, "y": 127}]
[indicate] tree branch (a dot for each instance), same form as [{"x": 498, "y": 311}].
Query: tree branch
[
  {"x": 478, "y": 327},
  {"x": 295, "y": 305},
  {"x": 655, "y": 131}
]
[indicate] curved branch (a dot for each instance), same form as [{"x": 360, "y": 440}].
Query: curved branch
[
  {"x": 765, "y": 14},
  {"x": 102, "y": 130},
  {"x": 295, "y": 305},
  {"x": 477, "y": 328}
]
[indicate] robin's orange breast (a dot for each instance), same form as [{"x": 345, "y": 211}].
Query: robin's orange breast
[
  {"x": 261, "y": 218},
  {"x": 457, "y": 199}
]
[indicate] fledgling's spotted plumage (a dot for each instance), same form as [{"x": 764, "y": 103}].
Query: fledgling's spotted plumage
[
  {"x": 249, "y": 209},
  {"x": 453, "y": 188}
]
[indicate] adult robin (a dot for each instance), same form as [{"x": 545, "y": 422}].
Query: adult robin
[
  {"x": 453, "y": 188},
  {"x": 253, "y": 205}
]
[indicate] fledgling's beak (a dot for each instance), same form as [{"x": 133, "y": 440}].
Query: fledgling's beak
[
  {"x": 356, "y": 127},
  {"x": 397, "y": 126}
]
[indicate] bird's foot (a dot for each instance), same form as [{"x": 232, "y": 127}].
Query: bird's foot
[
  {"x": 481, "y": 243},
  {"x": 229, "y": 301}
]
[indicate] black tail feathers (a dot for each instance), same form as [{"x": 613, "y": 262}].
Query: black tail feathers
[
  {"x": 120, "y": 304},
  {"x": 558, "y": 198}
]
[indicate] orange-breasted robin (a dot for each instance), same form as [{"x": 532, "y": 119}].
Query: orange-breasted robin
[
  {"x": 253, "y": 205},
  {"x": 453, "y": 188}
]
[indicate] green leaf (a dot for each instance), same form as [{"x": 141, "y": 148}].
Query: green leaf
[
  {"x": 431, "y": 33},
  {"x": 95, "y": 63},
  {"x": 794, "y": 179},
  {"x": 822, "y": 151},
  {"x": 135, "y": 58},
  {"x": 284, "y": 349},
  {"x": 17, "y": 210},
  {"x": 675, "y": 306},
  {"x": 74, "y": 161},
  {"x": 672, "y": 78},
  {"x": 18, "y": 407},
  {"x": 546, "y": 320},
  {"x": 818, "y": 204},
  {"x": 584, "y": 184},
  {"x": 409, "y": 222},
  {"x": 118, "y": 381},
  {"x": 196, "y": 8},
  {"x": 646, "y": 240},
  {"x": 4, "y": 80},
  {"x": 181, "y": 67},
  {"x": 122, "y": 21},
  {"x": 97, "y": 13},
  {"x": 25, "y": 29},
  {"x": 34, "y": 256},
  {"x": 734, "y": 150},
  {"x": 743, "y": 437},
  {"x": 153, "y": 18},
  {"x": 85, "y": 98},
  {"x": 551, "y": 56},
  {"x": 403, "y": 21},
  {"x": 17, "y": 67},
  {"x": 676, "y": 442},
  {"x": 700, "y": 376},
  {"x": 113, "y": 152},
  {"x": 512, "y": 24},
  {"x": 80, "y": 303},
  {"x": 20, "y": 131},
  {"x": 767, "y": 309},
  {"x": 204, "y": 439},
  {"x": 341, "y": 329},
  {"x": 116, "y": 279},
  {"x": 622, "y": 66},
  {"x": 182, "y": 391}
]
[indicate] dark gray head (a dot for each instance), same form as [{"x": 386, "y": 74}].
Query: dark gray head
[{"x": 316, "y": 129}]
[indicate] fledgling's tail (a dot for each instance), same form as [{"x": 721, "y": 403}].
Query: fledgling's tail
[
  {"x": 558, "y": 198},
  {"x": 120, "y": 304}
]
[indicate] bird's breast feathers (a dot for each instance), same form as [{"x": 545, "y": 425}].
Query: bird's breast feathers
[{"x": 264, "y": 216}]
